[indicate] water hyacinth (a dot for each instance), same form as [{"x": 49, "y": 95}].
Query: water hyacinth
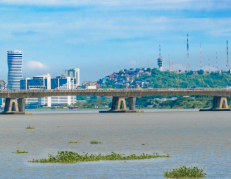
[
  {"x": 30, "y": 127},
  {"x": 73, "y": 157},
  {"x": 95, "y": 142},
  {"x": 185, "y": 172},
  {"x": 20, "y": 152}
]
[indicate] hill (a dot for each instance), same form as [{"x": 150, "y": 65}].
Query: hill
[{"x": 165, "y": 79}]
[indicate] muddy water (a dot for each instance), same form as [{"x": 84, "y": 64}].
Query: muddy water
[{"x": 191, "y": 138}]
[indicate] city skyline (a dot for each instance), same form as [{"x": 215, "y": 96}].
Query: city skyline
[{"x": 100, "y": 38}]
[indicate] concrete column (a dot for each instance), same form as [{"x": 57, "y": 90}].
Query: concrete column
[
  {"x": 7, "y": 104},
  {"x": 114, "y": 103},
  {"x": 11, "y": 105},
  {"x": 21, "y": 104},
  {"x": 220, "y": 103},
  {"x": 132, "y": 103},
  {"x": 121, "y": 104},
  {"x": 118, "y": 103}
]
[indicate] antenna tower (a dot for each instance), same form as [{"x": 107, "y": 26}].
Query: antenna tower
[
  {"x": 209, "y": 65},
  {"x": 188, "y": 62},
  {"x": 216, "y": 62},
  {"x": 172, "y": 66},
  {"x": 159, "y": 51},
  {"x": 200, "y": 58},
  {"x": 169, "y": 64},
  {"x": 227, "y": 63}
]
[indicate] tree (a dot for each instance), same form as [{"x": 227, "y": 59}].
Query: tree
[
  {"x": 81, "y": 97},
  {"x": 93, "y": 97},
  {"x": 190, "y": 72},
  {"x": 200, "y": 72}
]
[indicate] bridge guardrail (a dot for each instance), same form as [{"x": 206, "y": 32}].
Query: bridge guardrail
[{"x": 118, "y": 90}]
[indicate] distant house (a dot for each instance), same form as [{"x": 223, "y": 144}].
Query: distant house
[{"x": 195, "y": 73}]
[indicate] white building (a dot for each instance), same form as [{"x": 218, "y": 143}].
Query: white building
[{"x": 74, "y": 73}]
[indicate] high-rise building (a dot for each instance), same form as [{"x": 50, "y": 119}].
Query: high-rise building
[
  {"x": 43, "y": 82},
  {"x": 74, "y": 73},
  {"x": 40, "y": 82},
  {"x": 14, "y": 60}
]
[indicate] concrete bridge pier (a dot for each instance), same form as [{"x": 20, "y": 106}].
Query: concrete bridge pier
[
  {"x": 14, "y": 106},
  {"x": 21, "y": 104},
  {"x": 219, "y": 104},
  {"x": 119, "y": 105}
]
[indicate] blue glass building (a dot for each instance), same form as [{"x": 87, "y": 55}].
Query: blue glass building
[{"x": 14, "y": 60}]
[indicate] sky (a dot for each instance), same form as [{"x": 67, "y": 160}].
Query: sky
[{"x": 104, "y": 36}]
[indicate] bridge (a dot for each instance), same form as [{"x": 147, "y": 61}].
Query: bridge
[{"x": 15, "y": 100}]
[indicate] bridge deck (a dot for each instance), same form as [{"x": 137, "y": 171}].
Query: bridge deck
[{"x": 117, "y": 92}]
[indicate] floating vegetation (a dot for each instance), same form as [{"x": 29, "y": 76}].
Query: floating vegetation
[
  {"x": 30, "y": 127},
  {"x": 73, "y": 157},
  {"x": 20, "y": 152},
  {"x": 185, "y": 172},
  {"x": 95, "y": 142},
  {"x": 71, "y": 142}
]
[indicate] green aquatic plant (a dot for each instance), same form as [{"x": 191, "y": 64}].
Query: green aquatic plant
[
  {"x": 71, "y": 142},
  {"x": 20, "y": 152},
  {"x": 95, "y": 142},
  {"x": 30, "y": 127},
  {"x": 73, "y": 157},
  {"x": 185, "y": 172}
]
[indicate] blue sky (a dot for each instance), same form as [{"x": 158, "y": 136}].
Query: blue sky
[{"x": 101, "y": 37}]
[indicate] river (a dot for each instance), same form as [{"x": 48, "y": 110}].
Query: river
[{"x": 190, "y": 137}]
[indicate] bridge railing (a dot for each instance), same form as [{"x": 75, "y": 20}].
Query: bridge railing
[{"x": 117, "y": 90}]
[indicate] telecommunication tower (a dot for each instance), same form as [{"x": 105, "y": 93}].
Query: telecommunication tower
[
  {"x": 209, "y": 65},
  {"x": 160, "y": 60},
  {"x": 216, "y": 62},
  {"x": 169, "y": 64},
  {"x": 227, "y": 63},
  {"x": 200, "y": 58},
  {"x": 172, "y": 65},
  {"x": 188, "y": 62}
]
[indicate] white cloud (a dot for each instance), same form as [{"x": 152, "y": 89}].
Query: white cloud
[{"x": 34, "y": 65}]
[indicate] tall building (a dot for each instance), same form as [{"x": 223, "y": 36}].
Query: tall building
[
  {"x": 40, "y": 82},
  {"x": 14, "y": 60},
  {"x": 43, "y": 82},
  {"x": 74, "y": 73},
  {"x": 63, "y": 82}
]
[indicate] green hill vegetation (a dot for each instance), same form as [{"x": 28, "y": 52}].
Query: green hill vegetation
[{"x": 165, "y": 79}]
